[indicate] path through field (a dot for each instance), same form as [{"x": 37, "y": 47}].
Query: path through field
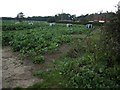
[
  {"x": 20, "y": 74},
  {"x": 14, "y": 73}
]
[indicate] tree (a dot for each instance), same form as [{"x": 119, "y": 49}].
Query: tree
[
  {"x": 51, "y": 19},
  {"x": 73, "y": 17},
  {"x": 112, "y": 39},
  {"x": 117, "y": 25},
  {"x": 20, "y": 17}
]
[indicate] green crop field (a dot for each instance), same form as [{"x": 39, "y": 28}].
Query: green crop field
[
  {"x": 82, "y": 64},
  {"x": 39, "y": 39}
]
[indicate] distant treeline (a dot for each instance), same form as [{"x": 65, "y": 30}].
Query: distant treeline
[
  {"x": 68, "y": 18},
  {"x": 34, "y": 18}
]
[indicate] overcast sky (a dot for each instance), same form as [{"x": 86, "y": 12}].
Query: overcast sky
[{"x": 10, "y": 8}]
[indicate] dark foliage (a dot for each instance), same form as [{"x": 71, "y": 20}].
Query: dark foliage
[{"x": 112, "y": 38}]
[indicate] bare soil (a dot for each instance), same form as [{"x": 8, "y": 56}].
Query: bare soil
[{"x": 16, "y": 72}]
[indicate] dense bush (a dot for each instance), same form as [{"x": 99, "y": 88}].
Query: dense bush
[
  {"x": 91, "y": 68},
  {"x": 111, "y": 39}
]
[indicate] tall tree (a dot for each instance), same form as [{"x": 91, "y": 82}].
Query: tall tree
[
  {"x": 20, "y": 17},
  {"x": 112, "y": 33}
]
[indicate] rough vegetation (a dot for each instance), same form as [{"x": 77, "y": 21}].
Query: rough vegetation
[
  {"x": 34, "y": 43},
  {"x": 91, "y": 61}
]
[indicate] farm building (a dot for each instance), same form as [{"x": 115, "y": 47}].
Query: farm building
[{"x": 100, "y": 18}]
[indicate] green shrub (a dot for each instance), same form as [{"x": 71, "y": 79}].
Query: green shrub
[{"x": 38, "y": 59}]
